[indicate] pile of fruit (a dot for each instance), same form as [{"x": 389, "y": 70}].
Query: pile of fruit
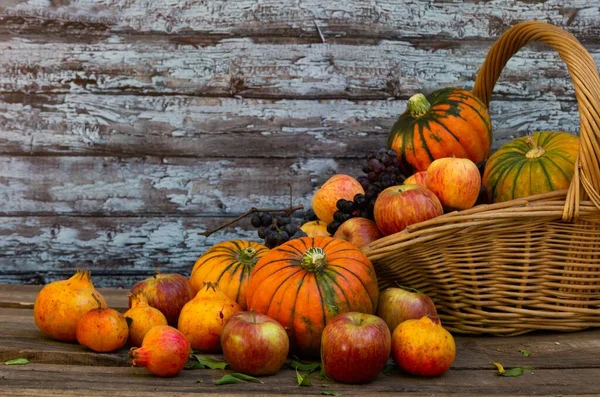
[{"x": 309, "y": 290}]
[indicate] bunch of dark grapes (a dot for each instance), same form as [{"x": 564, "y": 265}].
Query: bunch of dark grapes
[
  {"x": 276, "y": 229},
  {"x": 381, "y": 171},
  {"x": 347, "y": 209}
]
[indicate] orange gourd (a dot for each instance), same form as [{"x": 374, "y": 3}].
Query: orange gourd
[
  {"x": 305, "y": 282},
  {"x": 228, "y": 264}
]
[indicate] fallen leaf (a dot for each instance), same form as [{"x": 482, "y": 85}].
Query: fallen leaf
[
  {"x": 228, "y": 380},
  {"x": 500, "y": 367},
  {"x": 205, "y": 362},
  {"x": 525, "y": 353},
  {"x": 17, "y": 361},
  {"x": 199, "y": 381},
  {"x": 302, "y": 379},
  {"x": 330, "y": 393},
  {"x": 517, "y": 371},
  {"x": 302, "y": 366},
  {"x": 387, "y": 370},
  {"x": 246, "y": 377}
]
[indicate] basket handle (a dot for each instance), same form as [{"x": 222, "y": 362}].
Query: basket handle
[{"x": 585, "y": 79}]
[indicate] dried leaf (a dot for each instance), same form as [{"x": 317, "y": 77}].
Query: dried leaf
[
  {"x": 228, "y": 380},
  {"x": 17, "y": 361},
  {"x": 246, "y": 377},
  {"x": 330, "y": 393},
  {"x": 500, "y": 367},
  {"x": 302, "y": 366},
  {"x": 525, "y": 353},
  {"x": 302, "y": 379}
]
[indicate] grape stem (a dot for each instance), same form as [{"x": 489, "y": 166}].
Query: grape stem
[{"x": 286, "y": 211}]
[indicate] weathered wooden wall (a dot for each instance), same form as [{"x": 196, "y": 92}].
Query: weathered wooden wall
[{"x": 128, "y": 126}]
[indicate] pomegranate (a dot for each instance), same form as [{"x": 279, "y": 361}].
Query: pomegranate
[
  {"x": 202, "y": 319},
  {"x": 61, "y": 304},
  {"x": 164, "y": 351},
  {"x": 102, "y": 330},
  {"x": 142, "y": 317},
  {"x": 423, "y": 347},
  {"x": 166, "y": 292}
]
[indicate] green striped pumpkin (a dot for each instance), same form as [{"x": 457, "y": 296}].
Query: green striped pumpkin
[
  {"x": 540, "y": 163},
  {"x": 450, "y": 122}
]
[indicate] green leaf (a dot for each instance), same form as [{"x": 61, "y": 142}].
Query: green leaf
[
  {"x": 199, "y": 381},
  {"x": 208, "y": 362},
  {"x": 525, "y": 353},
  {"x": 228, "y": 380},
  {"x": 330, "y": 393},
  {"x": 322, "y": 375},
  {"x": 302, "y": 366},
  {"x": 302, "y": 379},
  {"x": 194, "y": 365},
  {"x": 17, "y": 361},
  {"x": 517, "y": 371},
  {"x": 246, "y": 377}
]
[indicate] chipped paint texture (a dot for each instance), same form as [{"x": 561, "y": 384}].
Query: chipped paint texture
[{"x": 128, "y": 126}]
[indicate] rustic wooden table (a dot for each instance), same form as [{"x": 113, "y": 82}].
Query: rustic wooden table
[{"x": 564, "y": 364}]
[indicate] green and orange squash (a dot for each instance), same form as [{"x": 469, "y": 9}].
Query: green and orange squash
[
  {"x": 305, "y": 282},
  {"x": 540, "y": 163},
  {"x": 228, "y": 264},
  {"x": 450, "y": 122}
]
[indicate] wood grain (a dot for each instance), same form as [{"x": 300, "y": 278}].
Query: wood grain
[
  {"x": 267, "y": 18},
  {"x": 241, "y": 67},
  {"x": 130, "y": 125}
]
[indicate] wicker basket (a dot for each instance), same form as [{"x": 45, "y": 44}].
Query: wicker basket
[{"x": 524, "y": 265}]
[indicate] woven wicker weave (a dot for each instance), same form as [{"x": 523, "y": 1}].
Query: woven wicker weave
[{"x": 524, "y": 265}]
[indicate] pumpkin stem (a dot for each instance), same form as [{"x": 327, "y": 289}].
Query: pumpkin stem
[
  {"x": 535, "y": 151},
  {"x": 418, "y": 105},
  {"x": 314, "y": 259},
  {"x": 247, "y": 256}
]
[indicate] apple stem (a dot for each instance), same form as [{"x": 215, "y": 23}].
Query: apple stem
[
  {"x": 314, "y": 259},
  {"x": 418, "y": 105},
  {"x": 535, "y": 151}
]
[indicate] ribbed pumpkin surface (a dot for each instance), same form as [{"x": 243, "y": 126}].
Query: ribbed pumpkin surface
[
  {"x": 449, "y": 122},
  {"x": 228, "y": 264},
  {"x": 531, "y": 165},
  {"x": 307, "y": 281}
]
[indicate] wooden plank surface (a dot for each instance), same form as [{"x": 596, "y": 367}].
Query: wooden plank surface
[{"x": 564, "y": 364}]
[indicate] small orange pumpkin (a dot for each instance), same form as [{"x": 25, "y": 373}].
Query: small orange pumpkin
[
  {"x": 228, "y": 264},
  {"x": 305, "y": 282}
]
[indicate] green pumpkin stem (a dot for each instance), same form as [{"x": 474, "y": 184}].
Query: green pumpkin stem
[
  {"x": 418, "y": 105},
  {"x": 314, "y": 259},
  {"x": 247, "y": 255},
  {"x": 535, "y": 151}
]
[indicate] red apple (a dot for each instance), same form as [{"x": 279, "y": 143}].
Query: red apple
[
  {"x": 423, "y": 347},
  {"x": 397, "y": 207},
  {"x": 254, "y": 343},
  {"x": 358, "y": 231},
  {"x": 355, "y": 347},
  {"x": 455, "y": 181},
  {"x": 398, "y": 304},
  {"x": 167, "y": 293},
  {"x": 418, "y": 178},
  {"x": 339, "y": 186}
]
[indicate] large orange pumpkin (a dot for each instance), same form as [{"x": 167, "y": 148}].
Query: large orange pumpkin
[
  {"x": 305, "y": 282},
  {"x": 228, "y": 264},
  {"x": 450, "y": 122}
]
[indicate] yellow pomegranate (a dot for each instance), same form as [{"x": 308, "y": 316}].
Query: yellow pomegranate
[
  {"x": 315, "y": 229},
  {"x": 61, "y": 304},
  {"x": 142, "y": 318}
]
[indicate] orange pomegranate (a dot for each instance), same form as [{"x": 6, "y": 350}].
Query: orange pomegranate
[
  {"x": 423, "y": 347},
  {"x": 102, "y": 330},
  {"x": 202, "y": 319},
  {"x": 60, "y": 304},
  {"x": 142, "y": 317}
]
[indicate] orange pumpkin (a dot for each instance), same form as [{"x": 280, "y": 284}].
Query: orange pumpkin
[
  {"x": 450, "y": 122},
  {"x": 228, "y": 264},
  {"x": 305, "y": 282}
]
